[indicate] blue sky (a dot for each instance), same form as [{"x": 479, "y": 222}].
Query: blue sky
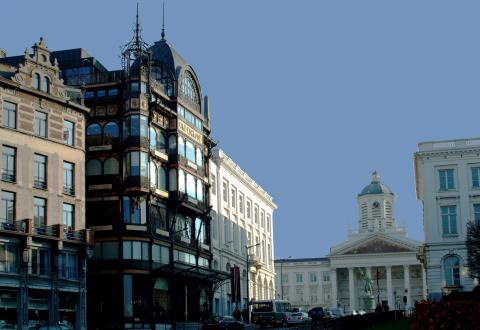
[{"x": 308, "y": 97}]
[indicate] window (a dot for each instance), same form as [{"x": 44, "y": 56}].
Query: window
[
  {"x": 110, "y": 133},
  {"x": 199, "y": 156},
  {"x": 255, "y": 213},
  {"x": 113, "y": 92},
  {"x": 68, "y": 181},
  {"x": 7, "y": 207},
  {"x": 40, "y": 123},
  {"x": 46, "y": 84},
  {"x": 249, "y": 209},
  {"x": 213, "y": 182},
  {"x": 313, "y": 277},
  {"x": 36, "y": 81},
  {"x": 9, "y": 163},
  {"x": 68, "y": 216},
  {"x": 94, "y": 134},
  {"x": 476, "y": 213},
  {"x": 225, "y": 191},
  {"x": 188, "y": 90},
  {"x": 200, "y": 231},
  {"x": 39, "y": 212},
  {"x": 162, "y": 178},
  {"x": 475, "y": 177},
  {"x": 240, "y": 202},
  {"x": 94, "y": 167},
  {"x": 8, "y": 258},
  {"x": 136, "y": 164},
  {"x": 134, "y": 210},
  {"x": 9, "y": 114},
  {"x": 446, "y": 179},
  {"x": 299, "y": 278},
  {"x": 68, "y": 132},
  {"x": 449, "y": 220},
  {"x": 326, "y": 276},
  {"x": 269, "y": 223},
  {"x": 285, "y": 278},
  {"x": 136, "y": 125},
  {"x": 190, "y": 151},
  {"x": 110, "y": 166},
  {"x": 262, "y": 219},
  {"x": 68, "y": 265},
  {"x": 160, "y": 254},
  {"x": 153, "y": 175},
  {"x": 40, "y": 262},
  {"x": 234, "y": 197},
  {"x": 158, "y": 214},
  {"x": 451, "y": 266},
  {"x": 135, "y": 250},
  {"x": 89, "y": 95},
  {"x": 101, "y": 93},
  {"x": 40, "y": 171}
]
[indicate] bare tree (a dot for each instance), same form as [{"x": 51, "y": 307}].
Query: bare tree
[{"x": 473, "y": 249}]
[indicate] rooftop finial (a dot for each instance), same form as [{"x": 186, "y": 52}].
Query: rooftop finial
[
  {"x": 137, "y": 26},
  {"x": 163, "y": 20},
  {"x": 375, "y": 176}
]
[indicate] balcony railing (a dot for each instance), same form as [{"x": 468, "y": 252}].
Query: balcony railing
[
  {"x": 40, "y": 184},
  {"x": 69, "y": 190},
  {"x": 69, "y": 273},
  {"x": 9, "y": 176}
]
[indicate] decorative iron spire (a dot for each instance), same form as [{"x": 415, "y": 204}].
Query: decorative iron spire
[{"x": 163, "y": 20}]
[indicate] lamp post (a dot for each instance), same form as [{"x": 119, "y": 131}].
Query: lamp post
[
  {"x": 247, "y": 247},
  {"x": 378, "y": 287},
  {"x": 281, "y": 275}
]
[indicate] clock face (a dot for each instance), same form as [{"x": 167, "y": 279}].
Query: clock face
[{"x": 376, "y": 204}]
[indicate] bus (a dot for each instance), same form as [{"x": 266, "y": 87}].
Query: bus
[{"x": 270, "y": 312}]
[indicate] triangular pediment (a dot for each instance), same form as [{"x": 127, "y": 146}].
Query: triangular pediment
[{"x": 375, "y": 244}]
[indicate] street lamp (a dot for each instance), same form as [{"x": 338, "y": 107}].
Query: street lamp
[
  {"x": 247, "y": 247},
  {"x": 281, "y": 274},
  {"x": 378, "y": 287}
]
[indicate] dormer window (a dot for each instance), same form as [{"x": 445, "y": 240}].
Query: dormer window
[
  {"x": 46, "y": 84},
  {"x": 36, "y": 81}
]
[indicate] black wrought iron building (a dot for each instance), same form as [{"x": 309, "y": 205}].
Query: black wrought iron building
[{"x": 148, "y": 146}]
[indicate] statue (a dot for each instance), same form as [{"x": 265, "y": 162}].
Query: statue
[{"x": 368, "y": 283}]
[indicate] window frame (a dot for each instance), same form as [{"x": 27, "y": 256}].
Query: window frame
[
  {"x": 40, "y": 124},
  {"x": 9, "y": 172}
]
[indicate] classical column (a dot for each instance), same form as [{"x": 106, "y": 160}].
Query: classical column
[
  {"x": 333, "y": 280},
  {"x": 406, "y": 276},
  {"x": 351, "y": 287},
  {"x": 424, "y": 282},
  {"x": 391, "y": 303}
]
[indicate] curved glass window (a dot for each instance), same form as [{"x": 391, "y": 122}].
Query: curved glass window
[
  {"x": 188, "y": 90},
  {"x": 199, "y": 157},
  {"x": 181, "y": 146},
  {"x": 451, "y": 267},
  {"x": 191, "y": 189},
  {"x": 94, "y": 167},
  {"x": 161, "y": 142},
  {"x": 162, "y": 178},
  {"x": 36, "y": 81},
  {"x": 153, "y": 175},
  {"x": 143, "y": 126},
  {"x": 153, "y": 139},
  {"x": 200, "y": 190},
  {"x": 94, "y": 134},
  {"x": 46, "y": 84},
  {"x": 136, "y": 164},
  {"x": 134, "y": 210},
  {"x": 181, "y": 181},
  {"x": 110, "y": 132},
  {"x": 110, "y": 166},
  {"x": 172, "y": 178},
  {"x": 190, "y": 151}
]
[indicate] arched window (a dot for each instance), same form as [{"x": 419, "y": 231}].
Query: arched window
[
  {"x": 215, "y": 264},
  {"x": 153, "y": 175},
  {"x": 110, "y": 166},
  {"x": 94, "y": 134},
  {"x": 36, "y": 81},
  {"x": 188, "y": 90},
  {"x": 162, "y": 178},
  {"x": 172, "y": 179},
  {"x": 227, "y": 267},
  {"x": 94, "y": 167},
  {"x": 46, "y": 84},
  {"x": 110, "y": 133},
  {"x": 153, "y": 138},
  {"x": 451, "y": 266}
]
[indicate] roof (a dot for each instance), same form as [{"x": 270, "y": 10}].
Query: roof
[
  {"x": 163, "y": 52},
  {"x": 282, "y": 261},
  {"x": 375, "y": 187}
]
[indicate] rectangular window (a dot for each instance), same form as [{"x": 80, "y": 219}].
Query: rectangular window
[
  {"x": 40, "y": 123},
  {"x": 269, "y": 223},
  {"x": 313, "y": 277},
  {"x": 9, "y": 156},
  {"x": 326, "y": 276},
  {"x": 68, "y": 266},
  {"x": 476, "y": 213},
  {"x": 241, "y": 199},
  {"x": 68, "y": 216},
  {"x": 446, "y": 179},
  {"x": 8, "y": 258},
  {"x": 7, "y": 207},
  {"x": 285, "y": 278},
  {"x": 40, "y": 262},
  {"x": 234, "y": 197},
  {"x": 249, "y": 209},
  {"x": 255, "y": 214},
  {"x": 40, "y": 171},
  {"x": 299, "y": 278},
  {"x": 9, "y": 114},
  {"x": 449, "y": 220},
  {"x": 68, "y": 181},
  {"x": 39, "y": 212},
  {"x": 225, "y": 191},
  {"x": 475, "y": 177},
  {"x": 213, "y": 182},
  {"x": 134, "y": 211},
  {"x": 262, "y": 219},
  {"x": 68, "y": 132}
]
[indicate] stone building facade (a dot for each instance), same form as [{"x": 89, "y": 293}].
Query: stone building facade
[{"x": 43, "y": 240}]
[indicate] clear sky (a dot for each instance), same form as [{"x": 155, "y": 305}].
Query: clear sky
[{"x": 308, "y": 97}]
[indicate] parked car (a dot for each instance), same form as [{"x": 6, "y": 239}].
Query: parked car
[
  {"x": 335, "y": 313},
  {"x": 317, "y": 313},
  {"x": 222, "y": 323},
  {"x": 49, "y": 327},
  {"x": 299, "y": 318}
]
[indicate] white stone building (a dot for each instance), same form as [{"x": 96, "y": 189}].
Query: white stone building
[
  {"x": 378, "y": 250},
  {"x": 242, "y": 216},
  {"x": 447, "y": 177}
]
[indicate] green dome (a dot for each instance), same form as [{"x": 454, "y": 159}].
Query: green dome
[{"x": 376, "y": 187}]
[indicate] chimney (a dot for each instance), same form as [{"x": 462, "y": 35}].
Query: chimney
[{"x": 206, "y": 108}]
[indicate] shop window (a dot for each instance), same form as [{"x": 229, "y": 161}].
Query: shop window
[
  {"x": 8, "y": 258},
  {"x": 40, "y": 261},
  {"x": 68, "y": 265}
]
